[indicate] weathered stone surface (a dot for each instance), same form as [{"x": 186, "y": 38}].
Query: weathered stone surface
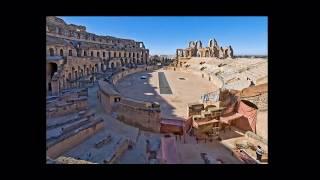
[
  {"x": 75, "y": 55},
  {"x": 195, "y": 49}
]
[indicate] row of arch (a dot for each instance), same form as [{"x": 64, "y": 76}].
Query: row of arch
[
  {"x": 85, "y": 36},
  {"x": 97, "y": 54},
  {"x": 123, "y": 62},
  {"x": 79, "y": 71},
  {"x": 75, "y": 72},
  {"x": 71, "y": 74},
  {"x": 85, "y": 70},
  {"x": 221, "y": 53}
]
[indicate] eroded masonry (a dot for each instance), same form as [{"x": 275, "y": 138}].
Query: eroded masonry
[
  {"x": 75, "y": 56},
  {"x": 109, "y": 102},
  {"x": 195, "y": 49}
]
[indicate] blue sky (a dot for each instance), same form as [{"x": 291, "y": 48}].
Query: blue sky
[{"x": 164, "y": 34}]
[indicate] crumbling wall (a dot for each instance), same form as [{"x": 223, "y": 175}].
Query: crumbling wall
[
  {"x": 228, "y": 99},
  {"x": 115, "y": 78},
  {"x": 121, "y": 147},
  {"x": 131, "y": 111},
  {"x": 143, "y": 118},
  {"x": 168, "y": 128},
  {"x": 66, "y": 144},
  {"x": 104, "y": 101},
  {"x": 66, "y": 108},
  {"x": 70, "y": 160},
  {"x": 195, "y": 109}
]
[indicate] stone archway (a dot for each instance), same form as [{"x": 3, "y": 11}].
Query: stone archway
[
  {"x": 51, "y": 52},
  {"x": 51, "y": 69},
  {"x": 81, "y": 73},
  {"x": 96, "y": 68},
  {"x": 75, "y": 75},
  {"x": 226, "y": 53},
  {"x": 122, "y": 62},
  {"x": 207, "y": 53},
  {"x": 101, "y": 67},
  {"x": 88, "y": 72},
  {"x": 72, "y": 72}
]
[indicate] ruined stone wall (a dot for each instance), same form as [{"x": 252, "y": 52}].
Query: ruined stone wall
[
  {"x": 105, "y": 101},
  {"x": 138, "y": 114},
  {"x": 56, "y": 28},
  {"x": 118, "y": 76},
  {"x": 117, "y": 152},
  {"x": 66, "y": 108},
  {"x": 168, "y": 128},
  {"x": 55, "y": 87},
  {"x": 143, "y": 118},
  {"x": 213, "y": 50},
  {"x": 70, "y": 160},
  {"x": 115, "y": 78},
  {"x": 70, "y": 142},
  {"x": 84, "y": 53},
  {"x": 262, "y": 123}
]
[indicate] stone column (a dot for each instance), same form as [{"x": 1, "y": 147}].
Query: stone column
[
  {"x": 55, "y": 87},
  {"x": 143, "y": 56},
  {"x": 99, "y": 67},
  {"x": 47, "y": 84},
  {"x": 147, "y": 56},
  {"x": 177, "y": 54}
]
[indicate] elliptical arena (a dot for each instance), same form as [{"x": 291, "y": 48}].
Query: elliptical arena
[{"x": 110, "y": 102}]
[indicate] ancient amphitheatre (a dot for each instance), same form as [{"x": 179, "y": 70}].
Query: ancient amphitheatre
[{"x": 110, "y": 102}]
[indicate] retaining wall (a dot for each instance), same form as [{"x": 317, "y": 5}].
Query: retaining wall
[{"x": 69, "y": 142}]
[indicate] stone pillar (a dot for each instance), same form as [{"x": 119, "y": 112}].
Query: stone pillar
[
  {"x": 55, "y": 87},
  {"x": 98, "y": 68},
  {"x": 177, "y": 54},
  {"x": 47, "y": 85},
  {"x": 221, "y": 53}
]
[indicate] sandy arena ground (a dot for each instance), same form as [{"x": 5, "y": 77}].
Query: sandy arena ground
[{"x": 172, "y": 105}]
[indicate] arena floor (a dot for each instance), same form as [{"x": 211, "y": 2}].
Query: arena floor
[{"x": 178, "y": 89}]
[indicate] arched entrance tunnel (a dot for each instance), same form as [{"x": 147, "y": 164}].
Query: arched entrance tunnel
[{"x": 51, "y": 69}]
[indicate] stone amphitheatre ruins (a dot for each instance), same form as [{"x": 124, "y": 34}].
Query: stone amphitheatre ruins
[{"x": 110, "y": 102}]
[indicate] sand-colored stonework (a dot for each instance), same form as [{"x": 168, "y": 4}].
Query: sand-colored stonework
[{"x": 109, "y": 102}]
